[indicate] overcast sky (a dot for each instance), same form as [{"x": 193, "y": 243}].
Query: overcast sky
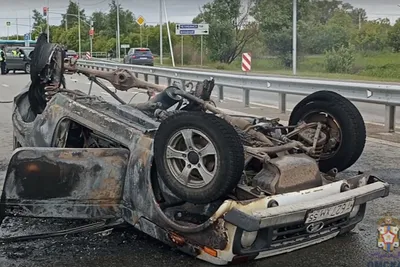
[{"x": 181, "y": 11}]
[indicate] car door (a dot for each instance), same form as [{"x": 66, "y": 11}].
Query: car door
[{"x": 11, "y": 61}]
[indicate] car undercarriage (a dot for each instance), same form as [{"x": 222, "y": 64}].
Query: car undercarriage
[{"x": 223, "y": 188}]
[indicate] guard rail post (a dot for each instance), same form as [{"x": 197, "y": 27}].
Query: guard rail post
[
  {"x": 169, "y": 81},
  {"x": 220, "y": 92},
  {"x": 157, "y": 79},
  {"x": 146, "y": 77},
  {"x": 390, "y": 117},
  {"x": 282, "y": 102},
  {"x": 246, "y": 97}
]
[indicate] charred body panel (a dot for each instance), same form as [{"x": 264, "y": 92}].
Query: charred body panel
[
  {"x": 133, "y": 132},
  {"x": 68, "y": 183},
  {"x": 130, "y": 132}
]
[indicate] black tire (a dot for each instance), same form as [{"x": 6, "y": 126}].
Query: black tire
[
  {"x": 228, "y": 147},
  {"x": 324, "y": 95},
  {"x": 349, "y": 120}
]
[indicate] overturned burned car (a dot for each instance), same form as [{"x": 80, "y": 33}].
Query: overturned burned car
[{"x": 220, "y": 187}]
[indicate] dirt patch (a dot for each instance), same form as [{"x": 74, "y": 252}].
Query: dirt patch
[{"x": 378, "y": 132}]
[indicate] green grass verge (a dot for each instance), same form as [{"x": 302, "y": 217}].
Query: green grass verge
[{"x": 367, "y": 67}]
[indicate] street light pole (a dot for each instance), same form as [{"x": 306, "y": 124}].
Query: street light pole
[
  {"x": 118, "y": 34},
  {"x": 79, "y": 30},
  {"x": 161, "y": 35},
  {"x": 48, "y": 22},
  {"x": 294, "y": 55}
]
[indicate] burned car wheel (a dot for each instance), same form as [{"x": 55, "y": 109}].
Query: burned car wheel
[
  {"x": 344, "y": 128},
  {"x": 198, "y": 156}
]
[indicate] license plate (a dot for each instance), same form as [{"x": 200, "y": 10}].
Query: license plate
[
  {"x": 143, "y": 58},
  {"x": 330, "y": 212}
]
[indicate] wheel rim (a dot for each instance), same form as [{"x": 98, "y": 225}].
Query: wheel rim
[
  {"x": 192, "y": 158},
  {"x": 333, "y": 132}
]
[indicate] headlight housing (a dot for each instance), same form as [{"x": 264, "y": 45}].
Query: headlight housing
[{"x": 248, "y": 239}]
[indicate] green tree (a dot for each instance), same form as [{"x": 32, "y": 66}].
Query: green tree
[
  {"x": 100, "y": 23},
  {"x": 71, "y": 16},
  {"x": 394, "y": 36},
  {"x": 126, "y": 20},
  {"x": 373, "y": 36},
  {"x": 275, "y": 21},
  {"x": 230, "y": 29},
  {"x": 39, "y": 23}
]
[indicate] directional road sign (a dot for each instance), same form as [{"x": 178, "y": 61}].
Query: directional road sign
[{"x": 192, "y": 29}]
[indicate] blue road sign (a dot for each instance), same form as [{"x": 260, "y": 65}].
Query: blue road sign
[
  {"x": 192, "y": 29},
  {"x": 186, "y": 31},
  {"x": 189, "y": 26},
  {"x": 26, "y": 36}
]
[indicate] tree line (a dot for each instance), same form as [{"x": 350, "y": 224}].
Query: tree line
[{"x": 262, "y": 27}]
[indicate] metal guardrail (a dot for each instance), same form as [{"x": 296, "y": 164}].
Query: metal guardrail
[{"x": 374, "y": 93}]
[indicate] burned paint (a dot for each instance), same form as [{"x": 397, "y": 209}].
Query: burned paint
[
  {"x": 49, "y": 181},
  {"x": 43, "y": 179},
  {"x": 145, "y": 142},
  {"x": 109, "y": 190},
  {"x": 213, "y": 237}
]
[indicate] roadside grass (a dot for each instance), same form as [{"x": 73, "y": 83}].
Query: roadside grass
[{"x": 383, "y": 66}]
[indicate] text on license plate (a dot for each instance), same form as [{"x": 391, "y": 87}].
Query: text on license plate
[{"x": 330, "y": 212}]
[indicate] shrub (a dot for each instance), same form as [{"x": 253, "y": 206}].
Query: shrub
[{"x": 340, "y": 60}]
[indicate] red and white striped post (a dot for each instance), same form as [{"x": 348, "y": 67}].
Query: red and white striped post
[
  {"x": 246, "y": 62},
  {"x": 88, "y": 55}
]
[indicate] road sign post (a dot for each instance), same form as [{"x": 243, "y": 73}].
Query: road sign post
[
  {"x": 140, "y": 20},
  {"x": 26, "y": 39},
  {"x": 246, "y": 62},
  {"x": 8, "y": 24},
  {"x": 91, "y": 34},
  {"x": 192, "y": 29},
  {"x": 46, "y": 14},
  {"x": 125, "y": 46}
]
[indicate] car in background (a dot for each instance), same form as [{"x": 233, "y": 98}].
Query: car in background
[
  {"x": 139, "y": 56},
  {"x": 21, "y": 61},
  {"x": 71, "y": 54}
]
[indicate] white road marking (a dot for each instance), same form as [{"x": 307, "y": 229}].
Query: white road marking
[{"x": 5, "y": 85}]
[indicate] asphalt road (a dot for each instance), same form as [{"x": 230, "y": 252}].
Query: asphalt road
[{"x": 127, "y": 247}]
